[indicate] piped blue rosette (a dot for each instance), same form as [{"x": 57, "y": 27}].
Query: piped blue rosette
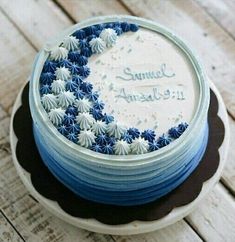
[{"x": 73, "y": 106}]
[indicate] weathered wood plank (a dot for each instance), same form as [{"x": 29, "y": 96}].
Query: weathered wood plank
[
  {"x": 86, "y": 8},
  {"x": 176, "y": 232},
  {"x": 42, "y": 226},
  {"x": 7, "y": 233},
  {"x": 16, "y": 60},
  {"x": 33, "y": 221},
  {"x": 222, "y": 11},
  {"x": 214, "y": 46},
  {"x": 41, "y": 19},
  {"x": 228, "y": 176},
  {"x": 215, "y": 218}
]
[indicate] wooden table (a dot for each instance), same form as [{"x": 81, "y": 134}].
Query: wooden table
[{"x": 25, "y": 25}]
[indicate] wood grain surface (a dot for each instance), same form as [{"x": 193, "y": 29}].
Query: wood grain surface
[{"x": 208, "y": 26}]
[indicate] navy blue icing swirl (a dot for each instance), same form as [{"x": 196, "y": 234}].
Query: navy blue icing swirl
[
  {"x": 64, "y": 63},
  {"x": 73, "y": 128},
  {"x": 127, "y": 137},
  {"x": 79, "y": 93},
  {"x": 82, "y": 60},
  {"x": 108, "y": 149},
  {"x": 86, "y": 51},
  {"x": 71, "y": 85},
  {"x": 163, "y": 140},
  {"x": 153, "y": 145},
  {"x": 134, "y": 132},
  {"x": 63, "y": 129},
  {"x": 107, "y": 118},
  {"x": 49, "y": 66},
  {"x": 77, "y": 64},
  {"x": 101, "y": 139},
  {"x": 47, "y": 77},
  {"x": 72, "y": 137},
  {"x": 68, "y": 119},
  {"x": 74, "y": 55},
  {"x": 72, "y": 110},
  {"x": 93, "y": 96},
  {"x": 148, "y": 135},
  {"x": 97, "y": 148},
  {"x": 74, "y": 69},
  {"x": 45, "y": 89},
  {"x": 96, "y": 113}
]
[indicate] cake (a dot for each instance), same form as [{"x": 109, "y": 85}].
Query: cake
[{"x": 119, "y": 107}]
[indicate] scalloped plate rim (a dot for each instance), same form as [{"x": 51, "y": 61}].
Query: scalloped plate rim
[{"x": 134, "y": 227}]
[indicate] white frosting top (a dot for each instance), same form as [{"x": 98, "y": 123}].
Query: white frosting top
[{"x": 145, "y": 81}]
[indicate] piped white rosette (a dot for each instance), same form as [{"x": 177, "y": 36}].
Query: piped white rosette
[
  {"x": 115, "y": 129},
  {"x": 71, "y": 43},
  {"x": 97, "y": 45},
  {"x": 62, "y": 73},
  {"x": 56, "y": 115},
  {"x": 121, "y": 147},
  {"x": 83, "y": 105},
  {"x": 58, "y": 86},
  {"x": 66, "y": 98},
  {"x": 49, "y": 101},
  {"x": 85, "y": 120},
  {"x": 86, "y": 138},
  {"x": 58, "y": 53},
  {"x": 99, "y": 127},
  {"x": 139, "y": 146},
  {"x": 109, "y": 36}
]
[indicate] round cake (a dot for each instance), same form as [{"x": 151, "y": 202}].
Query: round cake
[{"x": 119, "y": 107}]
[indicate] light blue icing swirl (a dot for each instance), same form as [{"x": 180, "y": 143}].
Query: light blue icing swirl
[
  {"x": 109, "y": 36},
  {"x": 56, "y": 115},
  {"x": 65, "y": 99},
  {"x": 62, "y": 73},
  {"x": 71, "y": 43},
  {"x": 49, "y": 101},
  {"x": 85, "y": 120},
  {"x": 139, "y": 146},
  {"x": 86, "y": 138},
  {"x": 99, "y": 127},
  {"x": 97, "y": 45},
  {"x": 83, "y": 105},
  {"x": 116, "y": 130},
  {"x": 58, "y": 86},
  {"x": 58, "y": 53},
  {"x": 121, "y": 147}
]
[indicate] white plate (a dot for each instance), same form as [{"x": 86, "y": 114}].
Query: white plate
[{"x": 135, "y": 227}]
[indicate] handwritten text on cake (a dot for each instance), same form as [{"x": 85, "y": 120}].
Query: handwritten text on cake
[{"x": 129, "y": 75}]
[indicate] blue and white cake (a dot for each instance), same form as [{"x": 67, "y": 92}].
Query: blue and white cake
[{"x": 119, "y": 107}]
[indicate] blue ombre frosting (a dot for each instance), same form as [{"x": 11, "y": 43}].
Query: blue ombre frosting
[{"x": 81, "y": 148}]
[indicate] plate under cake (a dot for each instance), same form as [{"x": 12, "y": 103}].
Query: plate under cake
[{"x": 119, "y": 107}]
